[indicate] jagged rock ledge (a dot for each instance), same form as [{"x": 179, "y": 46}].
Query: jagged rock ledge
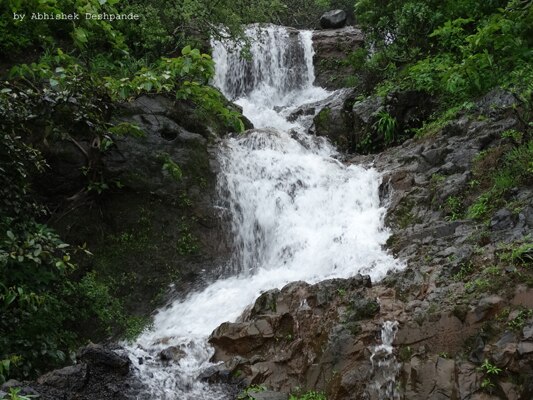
[{"x": 451, "y": 318}]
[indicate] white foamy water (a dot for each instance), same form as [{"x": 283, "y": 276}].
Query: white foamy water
[
  {"x": 296, "y": 212},
  {"x": 385, "y": 368}
]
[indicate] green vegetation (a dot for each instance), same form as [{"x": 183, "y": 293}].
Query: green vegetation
[
  {"x": 457, "y": 48},
  {"x": 518, "y": 322},
  {"x": 311, "y": 395},
  {"x": 245, "y": 394},
  {"x": 14, "y": 395},
  {"x": 386, "y": 126},
  {"x": 454, "y": 50},
  {"x": 490, "y": 372},
  {"x": 60, "y": 81},
  {"x": 513, "y": 168}
]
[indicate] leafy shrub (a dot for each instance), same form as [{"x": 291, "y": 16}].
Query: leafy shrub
[
  {"x": 311, "y": 395},
  {"x": 386, "y": 125}
]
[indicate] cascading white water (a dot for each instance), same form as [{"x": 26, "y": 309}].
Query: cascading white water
[
  {"x": 296, "y": 212},
  {"x": 384, "y": 364}
]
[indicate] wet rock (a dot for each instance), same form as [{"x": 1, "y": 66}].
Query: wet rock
[
  {"x": 98, "y": 355},
  {"x": 334, "y": 120},
  {"x": 268, "y": 395},
  {"x": 525, "y": 348},
  {"x": 487, "y": 307},
  {"x": 172, "y": 353},
  {"x": 266, "y": 303},
  {"x": 495, "y": 101},
  {"x": 71, "y": 378},
  {"x": 502, "y": 219},
  {"x": 333, "y": 19},
  {"x": 330, "y": 46}
]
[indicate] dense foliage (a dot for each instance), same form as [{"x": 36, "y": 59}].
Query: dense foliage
[
  {"x": 455, "y": 49},
  {"x": 62, "y": 80}
]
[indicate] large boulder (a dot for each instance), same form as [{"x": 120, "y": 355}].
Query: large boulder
[
  {"x": 334, "y": 120},
  {"x": 331, "y": 46},
  {"x": 297, "y": 336},
  {"x": 144, "y": 202},
  {"x": 333, "y": 19},
  {"x": 357, "y": 125},
  {"x": 101, "y": 373}
]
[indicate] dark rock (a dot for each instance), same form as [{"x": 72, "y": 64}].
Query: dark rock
[
  {"x": 477, "y": 354},
  {"x": 496, "y": 101},
  {"x": 334, "y": 119},
  {"x": 172, "y": 353},
  {"x": 363, "y": 308},
  {"x": 333, "y": 19},
  {"x": 98, "y": 355},
  {"x": 487, "y": 307},
  {"x": 25, "y": 390},
  {"x": 268, "y": 395},
  {"x": 504, "y": 350},
  {"x": 12, "y": 383},
  {"x": 71, "y": 378},
  {"x": 266, "y": 303},
  {"x": 525, "y": 348},
  {"x": 528, "y": 213},
  {"x": 330, "y": 46},
  {"x": 215, "y": 374},
  {"x": 502, "y": 219},
  {"x": 408, "y": 110}
]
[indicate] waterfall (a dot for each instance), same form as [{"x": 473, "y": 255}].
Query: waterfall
[
  {"x": 297, "y": 213},
  {"x": 384, "y": 364}
]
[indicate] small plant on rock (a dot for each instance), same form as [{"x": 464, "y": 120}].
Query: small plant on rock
[
  {"x": 386, "y": 125},
  {"x": 518, "y": 322},
  {"x": 14, "y": 394},
  {"x": 246, "y": 393},
  {"x": 490, "y": 372},
  {"x": 311, "y": 395}
]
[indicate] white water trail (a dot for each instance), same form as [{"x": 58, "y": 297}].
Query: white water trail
[
  {"x": 385, "y": 368},
  {"x": 297, "y": 213}
]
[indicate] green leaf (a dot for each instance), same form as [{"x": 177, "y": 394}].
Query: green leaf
[{"x": 80, "y": 37}]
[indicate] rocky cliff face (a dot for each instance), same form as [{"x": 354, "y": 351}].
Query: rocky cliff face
[
  {"x": 146, "y": 224},
  {"x": 464, "y": 304},
  {"x": 332, "y": 47}
]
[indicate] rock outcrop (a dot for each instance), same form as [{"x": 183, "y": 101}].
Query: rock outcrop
[
  {"x": 333, "y": 19},
  {"x": 331, "y": 47},
  {"x": 143, "y": 200},
  {"x": 361, "y": 125},
  {"x": 464, "y": 307},
  {"x": 100, "y": 373}
]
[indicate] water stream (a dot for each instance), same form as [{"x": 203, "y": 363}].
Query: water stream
[
  {"x": 297, "y": 213},
  {"x": 385, "y": 368}
]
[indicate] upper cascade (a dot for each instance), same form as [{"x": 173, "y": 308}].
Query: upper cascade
[{"x": 280, "y": 59}]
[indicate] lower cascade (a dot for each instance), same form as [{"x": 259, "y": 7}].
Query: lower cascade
[
  {"x": 296, "y": 212},
  {"x": 384, "y": 364}
]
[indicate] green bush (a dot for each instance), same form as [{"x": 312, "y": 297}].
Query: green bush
[{"x": 311, "y": 395}]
